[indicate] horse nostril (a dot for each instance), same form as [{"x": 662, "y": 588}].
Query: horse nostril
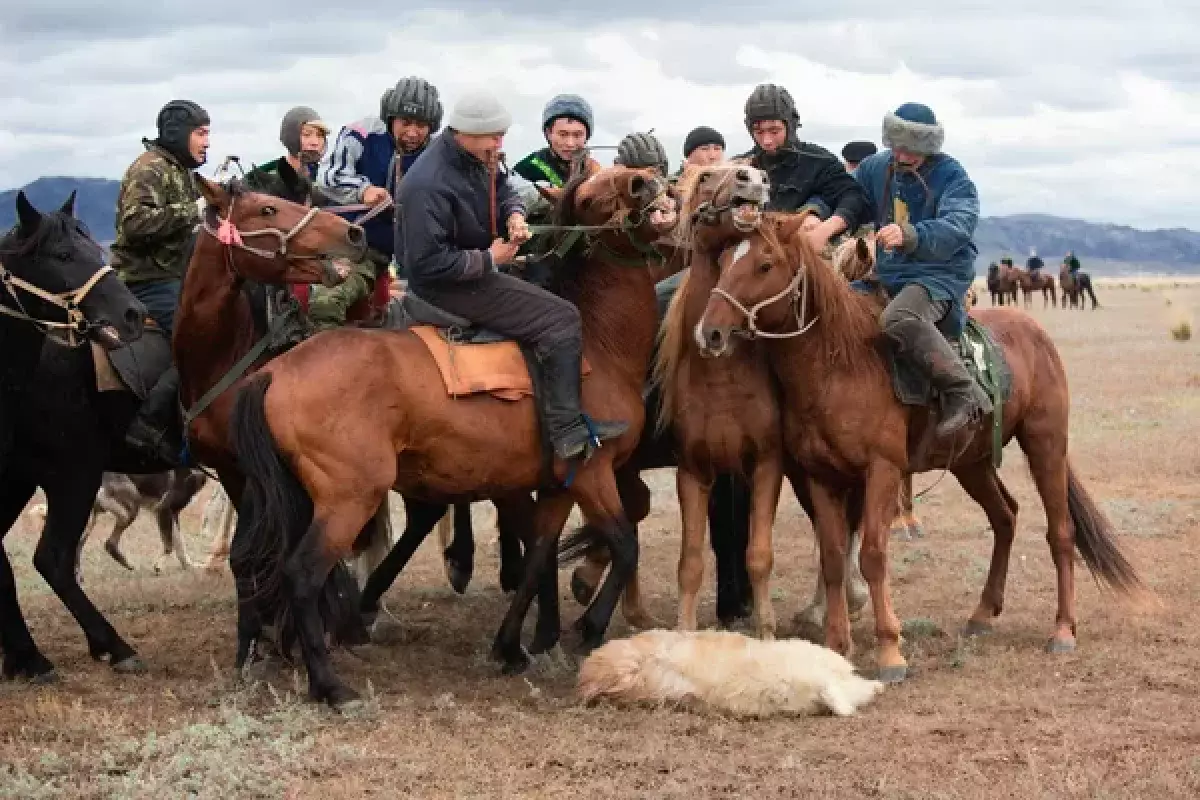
[
  {"x": 743, "y": 175},
  {"x": 132, "y": 317},
  {"x": 715, "y": 338},
  {"x": 356, "y": 236}
]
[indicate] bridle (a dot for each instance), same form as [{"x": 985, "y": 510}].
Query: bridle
[
  {"x": 71, "y": 333},
  {"x": 797, "y": 289}
]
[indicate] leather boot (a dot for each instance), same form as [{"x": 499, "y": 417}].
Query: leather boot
[
  {"x": 569, "y": 435},
  {"x": 156, "y": 431},
  {"x": 929, "y": 350}
]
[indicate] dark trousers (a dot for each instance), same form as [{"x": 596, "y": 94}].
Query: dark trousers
[
  {"x": 913, "y": 302},
  {"x": 160, "y": 298},
  {"x": 511, "y": 307}
]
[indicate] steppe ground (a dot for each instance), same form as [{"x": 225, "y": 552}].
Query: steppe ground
[{"x": 995, "y": 717}]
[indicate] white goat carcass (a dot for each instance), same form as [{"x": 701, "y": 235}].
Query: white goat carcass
[{"x": 725, "y": 671}]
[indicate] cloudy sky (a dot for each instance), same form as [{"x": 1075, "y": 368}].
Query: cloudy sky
[{"x": 1085, "y": 109}]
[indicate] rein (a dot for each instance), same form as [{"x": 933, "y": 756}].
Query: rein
[{"x": 66, "y": 333}]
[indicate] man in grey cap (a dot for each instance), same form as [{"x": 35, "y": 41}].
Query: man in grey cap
[
  {"x": 304, "y": 135},
  {"x": 446, "y": 237},
  {"x": 567, "y": 125}
]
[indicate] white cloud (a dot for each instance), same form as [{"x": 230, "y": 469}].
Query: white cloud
[{"x": 1088, "y": 109}]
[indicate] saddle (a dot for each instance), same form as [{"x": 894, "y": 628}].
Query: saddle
[
  {"x": 137, "y": 366},
  {"x": 471, "y": 360}
]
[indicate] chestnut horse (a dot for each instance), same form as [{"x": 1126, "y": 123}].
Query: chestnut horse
[
  {"x": 397, "y": 427},
  {"x": 844, "y": 425},
  {"x": 1030, "y": 283}
]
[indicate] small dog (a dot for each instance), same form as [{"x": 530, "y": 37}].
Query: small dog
[
  {"x": 124, "y": 496},
  {"x": 725, "y": 671}
]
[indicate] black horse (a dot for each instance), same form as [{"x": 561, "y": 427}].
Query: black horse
[{"x": 57, "y": 295}]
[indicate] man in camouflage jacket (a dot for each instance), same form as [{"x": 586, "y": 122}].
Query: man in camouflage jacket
[{"x": 157, "y": 213}]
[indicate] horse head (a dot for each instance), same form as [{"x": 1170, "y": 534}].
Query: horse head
[
  {"x": 722, "y": 202},
  {"x": 631, "y": 209},
  {"x": 757, "y": 275},
  {"x": 854, "y": 258},
  {"x": 300, "y": 243},
  {"x": 54, "y": 276}
]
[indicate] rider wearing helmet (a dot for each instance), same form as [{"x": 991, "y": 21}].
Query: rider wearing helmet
[
  {"x": 304, "y": 135},
  {"x": 642, "y": 150},
  {"x": 803, "y": 175},
  {"x": 365, "y": 165},
  {"x": 156, "y": 214}
]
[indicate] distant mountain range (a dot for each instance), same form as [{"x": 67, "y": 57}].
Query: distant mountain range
[{"x": 1103, "y": 249}]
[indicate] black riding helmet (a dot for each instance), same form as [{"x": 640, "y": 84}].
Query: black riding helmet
[
  {"x": 412, "y": 98},
  {"x": 175, "y": 123},
  {"x": 640, "y": 150},
  {"x": 771, "y": 101}
]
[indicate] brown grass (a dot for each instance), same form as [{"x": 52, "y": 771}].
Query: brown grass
[{"x": 993, "y": 717}]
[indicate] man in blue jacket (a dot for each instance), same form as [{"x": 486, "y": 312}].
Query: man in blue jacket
[
  {"x": 446, "y": 242},
  {"x": 926, "y": 209},
  {"x": 365, "y": 165}
]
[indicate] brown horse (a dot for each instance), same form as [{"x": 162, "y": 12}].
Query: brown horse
[
  {"x": 1030, "y": 283},
  {"x": 1074, "y": 287},
  {"x": 397, "y": 427},
  {"x": 844, "y": 425}
]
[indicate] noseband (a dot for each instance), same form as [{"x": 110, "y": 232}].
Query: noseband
[
  {"x": 77, "y": 325},
  {"x": 797, "y": 288}
]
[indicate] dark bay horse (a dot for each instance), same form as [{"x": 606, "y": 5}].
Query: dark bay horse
[
  {"x": 1074, "y": 287},
  {"x": 398, "y": 428},
  {"x": 56, "y": 294},
  {"x": 844, "y": 425}
]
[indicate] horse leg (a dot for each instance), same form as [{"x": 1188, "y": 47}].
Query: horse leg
[
  {"x": 373, "y": 544},
  {"x": 635, "y": 501},
  {"x": 514, "y": 528},
  {"x": 1047, "y": 457},
  {"x": 729, "y": 533},
  {"x": 22, "y": 659},
  {"x": 218, "y": 521},
  {"x": 244, "y": 564},
  {"x": 600, "y": 501},
  {"x": 879, "y": 504},
  {"x": 766, "y": 483},
  {"x": 69, "y": 500},
  {"x": 983, "y": 484},
  {"x": 460, "y": 555},
  {"x": 829, "y": 518},
  {"x": 553, "y": 508},
  {"x": 693, "y": 506},
  {"x": 123, "y": 517},
  {"x": 420, "y": 519},
  {"x": 87, "y": 531}
]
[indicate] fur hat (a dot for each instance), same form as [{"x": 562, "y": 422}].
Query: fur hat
[
  {"x": 479, "y": 112},
  {"x": 913, "y": 127}
]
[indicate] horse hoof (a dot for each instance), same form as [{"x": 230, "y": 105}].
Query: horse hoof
[
  {"x": 130, "y": 666},
  {"x": 893, "y": 674},
  {"x": 973, "y": 628},
  {"x": 343, "y": 699},
  {"x": 45, "y": 678},
  {"x": 459, "y": 578},
  {"x": 581, "y": 590},
  {"x": 117, "y": 555},
  {"x": 1058, "y": 645},
  {"x": 515, "y": 665}
]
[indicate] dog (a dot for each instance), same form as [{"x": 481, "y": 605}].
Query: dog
[{"x": 727, "y": 672}]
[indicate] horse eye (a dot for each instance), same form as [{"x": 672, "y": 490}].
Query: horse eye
[
  {"x": 268, "y": 210},
  {"x": 765, "y": 267}
]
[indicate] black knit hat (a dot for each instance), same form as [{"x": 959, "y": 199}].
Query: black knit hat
[
  {"x": 700, "y": 137},
  {"x": 854, "y": 152}
]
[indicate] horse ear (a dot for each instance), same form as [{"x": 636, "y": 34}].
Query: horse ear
[
  {"x": 69, "y": 206},
  {"x": 28, "y": 217},
  {"x": 214, "y": 193},
  {"x": 862, "y": 249}
]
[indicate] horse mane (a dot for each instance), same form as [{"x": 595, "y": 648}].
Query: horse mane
[
  {"x": 848, "y": 320},
  {"x": 673, "y": 341}
]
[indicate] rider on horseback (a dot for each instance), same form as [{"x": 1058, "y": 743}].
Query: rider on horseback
[
  {"x": 1072, "y": 263},
  {"x": 567, "y": 125},
  {"x": 448, "y": 242},
  {"x": 854, "y": 153},
  {"x": 304, "y": 135},
  {"x": 640, "y": 151},
  {"x": 800, "y": 172},
  {"x": 366, "y": 165},
  {"x": 156, "y": 215},
  {"x": 1034, "y": 264},
  {"x": 927, "y": 209},
  {"x": 703, "y": 147}
]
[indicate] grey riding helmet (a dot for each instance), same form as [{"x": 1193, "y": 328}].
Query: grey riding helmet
[{"x": 639, "y": 150}]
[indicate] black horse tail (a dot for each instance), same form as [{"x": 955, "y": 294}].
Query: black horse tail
[
  {"x": 1096, "y": 541},
  {"x": 277, "y": 514}
]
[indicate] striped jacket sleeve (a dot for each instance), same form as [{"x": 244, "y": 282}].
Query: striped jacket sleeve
[{"x": 337, "y": 176}]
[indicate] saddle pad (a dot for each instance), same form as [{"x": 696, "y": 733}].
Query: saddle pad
[
  {"x": 497, "y": 368},
  {"x": 141, "y": 362}
]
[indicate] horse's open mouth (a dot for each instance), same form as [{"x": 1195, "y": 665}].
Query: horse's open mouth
[{"x": 746, "y": 216}]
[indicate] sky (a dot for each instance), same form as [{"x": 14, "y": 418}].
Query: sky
[{"x": 1080, "y": 109}]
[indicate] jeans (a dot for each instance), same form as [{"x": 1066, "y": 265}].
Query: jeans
[{"x": 160, "y": 298}]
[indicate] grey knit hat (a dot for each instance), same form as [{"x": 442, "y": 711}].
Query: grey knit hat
[
  {"x": 479, "y": 112},
  {"x": 293, "y": 121}
]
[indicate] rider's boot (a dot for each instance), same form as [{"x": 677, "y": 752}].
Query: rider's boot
[
  {"x": 156, "y": 430},
  {"x": 962, "y": 400},
  {"x": 569, "y": 433}
]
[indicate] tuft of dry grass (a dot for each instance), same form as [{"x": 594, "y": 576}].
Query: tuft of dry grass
[{"x": 1182, "y": 331}]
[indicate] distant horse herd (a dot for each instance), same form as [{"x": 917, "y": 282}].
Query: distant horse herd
[{"x": 1004, "y": 281}]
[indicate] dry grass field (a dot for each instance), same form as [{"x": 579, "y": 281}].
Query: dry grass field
[{"x": 987, "y": 718}]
